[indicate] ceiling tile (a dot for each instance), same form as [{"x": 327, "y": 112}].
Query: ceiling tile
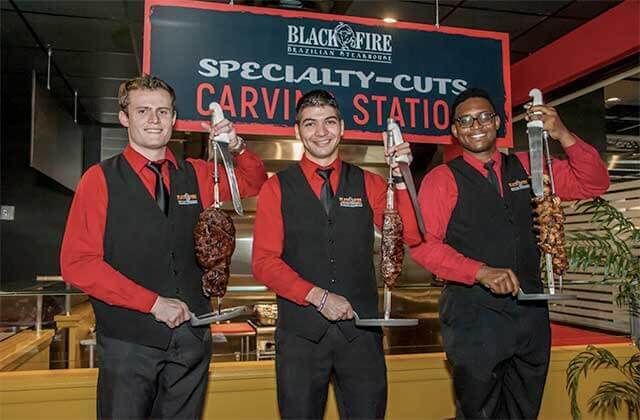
[
  {"x": 546, "y": 7},
  {"x": 544, "y": 33},
  {"x": 14, "y": 32},
  {"x": 588, "y": 9},
  {"x": 82, "y": 34},
  {"x": 491, "y": 21},
  {"x": 101, "y": 9},
  {"x": 403, "y": 11}
]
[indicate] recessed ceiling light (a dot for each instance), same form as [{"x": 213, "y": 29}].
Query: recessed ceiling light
[
  {"x": 389, "y": 20},
  {"x": 614, "y": 99}
]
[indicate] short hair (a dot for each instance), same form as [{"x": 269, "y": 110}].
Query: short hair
[
  {"x": 317, "y": 97},
  {"x": 147, "y": 82},
  {"x": 468, "y": 94}
]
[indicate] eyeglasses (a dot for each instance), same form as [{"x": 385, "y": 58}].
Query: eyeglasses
[{"x": 467, "y": 121}]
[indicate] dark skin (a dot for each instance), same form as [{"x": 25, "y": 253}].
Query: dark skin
[{"x": 479, "y": 141}]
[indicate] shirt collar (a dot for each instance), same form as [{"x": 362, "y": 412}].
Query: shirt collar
[
  {"x": 138, "y": 162},
  {"x": 309, "y": 167},
  {"x": 478, "y": 165}
]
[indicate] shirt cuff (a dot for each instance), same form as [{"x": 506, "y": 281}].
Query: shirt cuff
[
  {"x": 301, "y": 294},
  {"x": 147, "y": 300},
  {"x": 475, "y": 267},
  {"x": 471, "y": 271}
]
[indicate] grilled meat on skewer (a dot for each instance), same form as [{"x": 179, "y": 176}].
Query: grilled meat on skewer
[
  {"x": 392, "y": 247},
  {"x": 549, "y": 222},
  {"x": 215, "y": 241}
]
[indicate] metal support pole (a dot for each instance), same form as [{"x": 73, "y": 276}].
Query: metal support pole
[
  {"x": 49, "y": 52},
  {"x": 67, "y": 300},
  {"x": 39, "y": 314},
  {"x": 75, "y": 106}
]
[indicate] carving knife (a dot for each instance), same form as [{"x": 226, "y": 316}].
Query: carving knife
[{"x": 221, "y": 143}]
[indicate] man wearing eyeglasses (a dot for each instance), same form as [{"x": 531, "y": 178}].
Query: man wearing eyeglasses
[{"x": 480, "y": 239}]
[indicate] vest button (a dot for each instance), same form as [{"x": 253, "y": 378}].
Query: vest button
[
  {"x": 177, "y": 290},
  {"x": 331, "y": 242},
  {"x": 333, "y": 280},
  {"x": 332, "y": 260}
]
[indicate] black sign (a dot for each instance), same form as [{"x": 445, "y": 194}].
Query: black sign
[{"x": 257, "y": 62}]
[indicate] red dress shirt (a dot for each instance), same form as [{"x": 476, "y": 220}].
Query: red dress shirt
[
  {"x": 82, "y": 254},
  {"x": 268, "y": 237},
  {"x": 583, "y": 175}
]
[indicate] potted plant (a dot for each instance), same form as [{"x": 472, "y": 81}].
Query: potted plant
[{"x": 609, "y": 246}]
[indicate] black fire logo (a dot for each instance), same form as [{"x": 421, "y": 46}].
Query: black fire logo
[{"x": 346, "y": 36}]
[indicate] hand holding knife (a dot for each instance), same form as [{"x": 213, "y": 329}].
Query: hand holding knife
[
  {"x": 224, "y": 142},
  {"x": 399, "y": 155}
]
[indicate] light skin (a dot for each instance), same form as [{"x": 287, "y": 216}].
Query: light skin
[
  {"x": 320, "y": 130},
  {"x": 149, "y": 121},
  {"x": 479, "y": 141}
]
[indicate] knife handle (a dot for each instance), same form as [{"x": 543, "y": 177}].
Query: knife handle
[
  {"x": 217, "y": 115},
  {"x": 536, "y": 96},
  {"x": 394, "y": 138}
]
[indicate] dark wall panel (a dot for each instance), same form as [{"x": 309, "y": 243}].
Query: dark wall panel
[{"x": 30, "y": 245}]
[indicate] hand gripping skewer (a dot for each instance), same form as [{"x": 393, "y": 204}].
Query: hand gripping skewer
[
  {"x": 220, "y": 145},
  {"x": 394, "y": 137},
  {"x": 539, "y": 146}
]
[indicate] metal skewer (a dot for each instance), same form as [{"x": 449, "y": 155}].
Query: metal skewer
[
  {"x": 552, "y": 184},
  {"x": 539, "y": 150},
  {"x": 216, "y": 116},
  {"x": 387, "y": 321}
]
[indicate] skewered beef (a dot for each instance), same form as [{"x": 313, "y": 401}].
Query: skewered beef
[
  {"x": 392, "y": 247},
  {"x": 549, "y": 222},
  {"x": 215, "y": 241}
]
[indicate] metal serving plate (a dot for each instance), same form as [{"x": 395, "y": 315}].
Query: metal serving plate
[
  {"x": 384, "y": 322},
  {"x": 223, "y": 315},
  {"x": 544, "y": 296}
]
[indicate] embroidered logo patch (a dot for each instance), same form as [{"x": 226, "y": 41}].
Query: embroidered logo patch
[
  {"x": 519, "y": 185},
  {"x": 187, "y": 199},
  {"x": 350, "y": 201}
]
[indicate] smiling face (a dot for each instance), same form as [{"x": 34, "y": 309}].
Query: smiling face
[
  {"x": 479, "y": 139},
  {"x": 320, "y": 130},
  {"x": 149, "y": 120}
]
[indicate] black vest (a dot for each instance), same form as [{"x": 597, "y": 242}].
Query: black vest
[
  {"x": 334, "y": 252},
  {"x": 151, "y": 249},
  {"x": 497, "y": 231}
]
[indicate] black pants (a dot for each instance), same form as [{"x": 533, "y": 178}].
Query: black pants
[
  {"x": 304, "y": 369},
  {"x": 141, "y": 382},
  {"x": 499, "y": 358}
]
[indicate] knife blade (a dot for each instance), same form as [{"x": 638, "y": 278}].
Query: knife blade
[
  {"x": 221, "y": 143},
  {"x": 535, "y": 133}
]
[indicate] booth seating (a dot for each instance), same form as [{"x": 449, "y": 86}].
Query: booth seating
[
  {"x": 90, "y": 343},
  {"x": 420, "y": 387},
  {"x": 80, "y": 324},
  {"x": 237, "y": 329},
  {"x": 26, "y": 350}
]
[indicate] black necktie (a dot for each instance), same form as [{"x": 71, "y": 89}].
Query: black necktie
[
  {"x": 326, "y": 193},
  {"x": 492, "y": 177},
  {"x": 162, "y": 195}
]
